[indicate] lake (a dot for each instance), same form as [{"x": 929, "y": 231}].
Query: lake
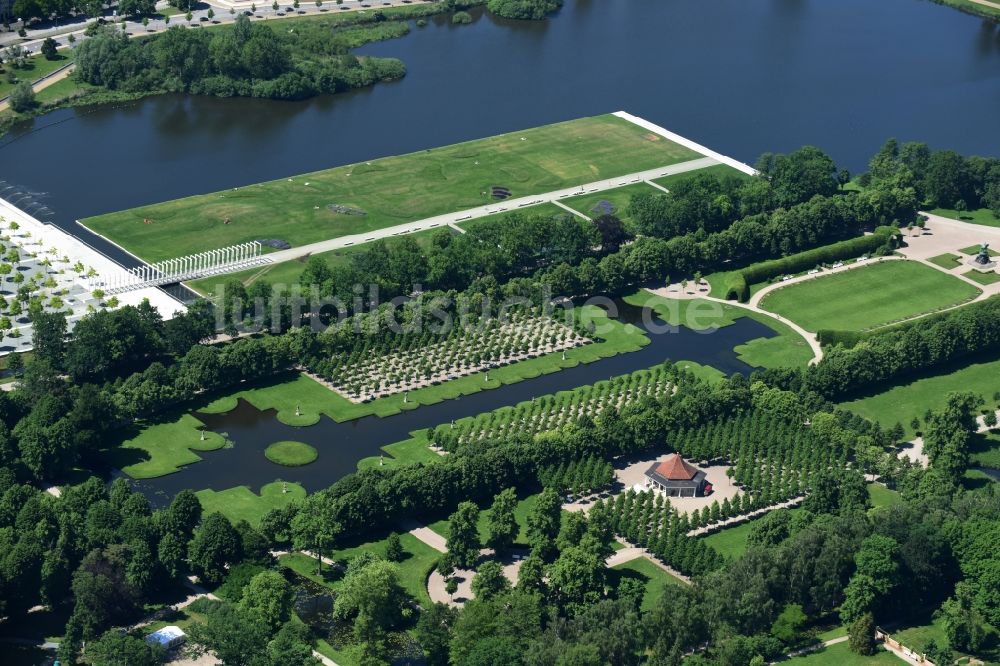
[{"x": 740, "y": 77}]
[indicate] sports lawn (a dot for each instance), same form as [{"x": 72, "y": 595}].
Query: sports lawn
[
  {"x": 978, "y": 216},
  {"x": 868, "y": 297},
  {"x": 392, "y": 190},
  {"x": 903, "y": 402}
]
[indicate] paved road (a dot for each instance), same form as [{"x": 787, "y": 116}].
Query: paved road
[
  {"x": 221, "y": 12},
  {"x": 485, "y": 211}
]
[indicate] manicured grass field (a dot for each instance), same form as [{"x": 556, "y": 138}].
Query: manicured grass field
[
  {"x": 983, "y": 278},
  {"x": 882, "y": 496},
  {"x": 946, "y": 260},
  {"x": 903, "y": 402},
  {"x": 163, "y": 446},
  {"x": 867, "y": 297},
  {"x": 978, "y": 216},
  {"x": 618, "y": 198},
  {"x": 36, "y": 67},
  {"x": 732, "y": 541},
  {"x": 241, "y": 503},
  {"x": 657, "y": 580},
  {"x": 973, "y": 250},
  {"x": 787, "y": 349},
  {"x": 418, "y": 558},
  {"x": 392, "y": 190},
  {"x": 840, "y": 655},
  {"x": 290, "y": 454}
]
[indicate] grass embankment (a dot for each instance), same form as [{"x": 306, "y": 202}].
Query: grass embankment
[
  {"x": 903, "y": 402},
  {"x": 392, "y": 190},
  {"x": 786, "y": 349},
  {"x": 241, "y": 503},
  {"x": 979, "y": 216},
  {"x": 418, "y": 558},
  {"x": 868, "y": 297},
  {"x": 290, "y": 454},
  {"x": 656, "y": 580}
]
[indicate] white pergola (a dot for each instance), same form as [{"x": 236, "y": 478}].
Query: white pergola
[{"x": 191, "y": 267}]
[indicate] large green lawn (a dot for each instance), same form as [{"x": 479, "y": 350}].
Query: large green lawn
[
  {"x": 241, "y": 503},
  {"x": 392, "y": 190},
  {"x": 902, "y": 402},
  {"x": 787, "y": 349},
  {"x": 868, "y": 297},
  {"x": 978, "y": 216},
  {"x": 657, "y": 580}
]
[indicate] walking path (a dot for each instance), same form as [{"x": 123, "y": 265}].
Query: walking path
[
  {"x": 436, "y": 583},
  {"x": 743, "y": 518},
  {"x": 676, "y": 291},
  {"x": 458, "y": 217},
  {"x": 220, "y": 14},
  {"x": 43, "y": 83}
]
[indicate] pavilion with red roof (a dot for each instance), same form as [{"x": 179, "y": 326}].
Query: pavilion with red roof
[{"x": 676, "y": 477}]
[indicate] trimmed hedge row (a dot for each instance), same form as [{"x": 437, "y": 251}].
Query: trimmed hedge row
[{"x": 739, "y": 285}]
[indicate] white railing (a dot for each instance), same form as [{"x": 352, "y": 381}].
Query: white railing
[{"x": 191, "y": 267}]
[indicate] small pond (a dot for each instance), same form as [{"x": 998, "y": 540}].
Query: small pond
[{"x": 342, "y": 445}]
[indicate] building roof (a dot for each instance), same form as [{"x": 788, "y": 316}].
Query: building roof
[
  {"x": 676, "y": 468},
  {"x": 165, "y": 636}
]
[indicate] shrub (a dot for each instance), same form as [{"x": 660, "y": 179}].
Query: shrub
[
  {"x": 739, "y": 286},
  {"x": 22, "y": 97},
  {"x": 461, "y": 18}
]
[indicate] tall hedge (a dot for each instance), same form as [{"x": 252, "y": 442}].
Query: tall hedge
[{"x": 739, "y": 286}]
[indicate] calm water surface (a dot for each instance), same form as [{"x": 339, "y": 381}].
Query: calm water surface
[
  {"x": 342, "y": 445},
  {"x": 741, "y": 77}
]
